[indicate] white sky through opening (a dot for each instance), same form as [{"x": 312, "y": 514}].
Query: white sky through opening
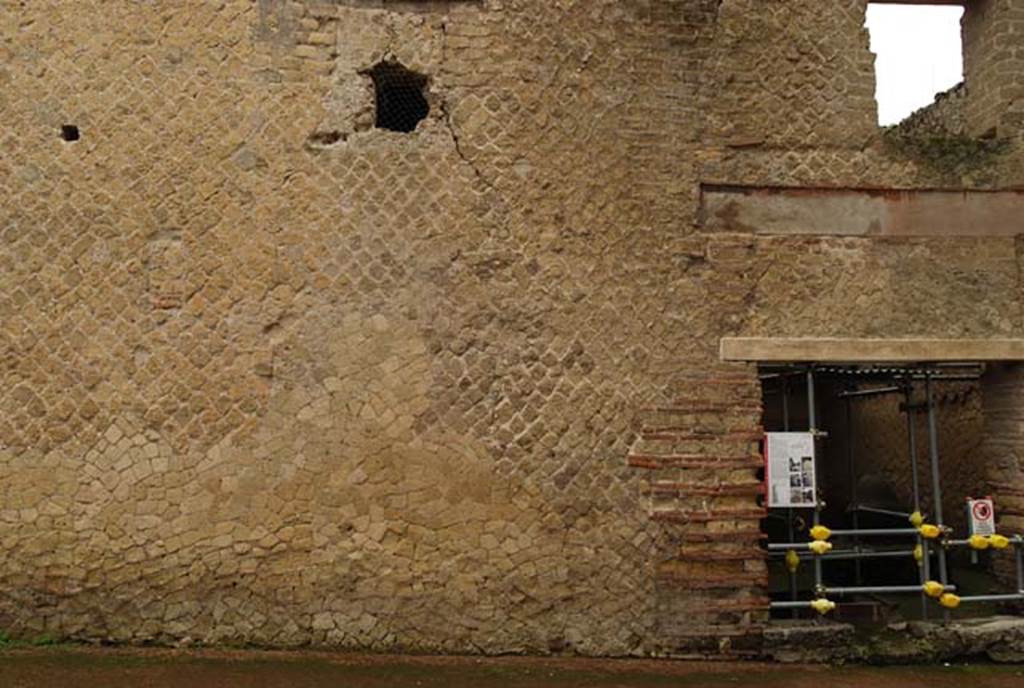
[{"x": 919, "y": 53}]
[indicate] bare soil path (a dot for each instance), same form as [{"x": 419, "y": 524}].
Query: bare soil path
[{"x": 109, "y": 668}]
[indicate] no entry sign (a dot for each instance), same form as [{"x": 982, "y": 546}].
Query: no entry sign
[{"x": 981, "y": 516}]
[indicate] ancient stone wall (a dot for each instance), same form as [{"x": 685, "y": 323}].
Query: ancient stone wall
[
  {"x": 1002, "y": 445},
  {"x": 994, "y": 67},
  {"x": 881, "y": 448},
  {"x": 270, "y": 374},
  {"x": 945, "y": 117}
]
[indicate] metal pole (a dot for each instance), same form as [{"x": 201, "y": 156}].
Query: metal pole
[
  {"x": 965, "y": 543},
  {"x": 812, "y": 422},
  {"x": 908, "y": 394},
  {"x": 1020, "y": 566},
  {"x": 785, "y": 404},
  {"x": 993, "y": 598},
  {"x": 872, "y": 532},
  {"x": 924, "y": 574},
  {"x": 869, "y": 392},
  {"x": 933, "y": 452},
  {"x": 791, "y": 605},
  {"x": 880, "y": 589},
  {"x": 793, "y": 591},
  {"x": 885, "y": 512},
  {"x": 855, "y": 554},
  {"x": 912, "y": 440},
  {"x": 852, "y": 478}
]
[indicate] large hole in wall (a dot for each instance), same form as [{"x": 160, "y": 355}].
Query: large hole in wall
[
  {"x": 401, "y": 101},
  {"x": 919, "y": 54},
  {"x": 863, "y": 478}
]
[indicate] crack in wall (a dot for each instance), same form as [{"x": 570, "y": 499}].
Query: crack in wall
[{"x": 447, "y": 119}]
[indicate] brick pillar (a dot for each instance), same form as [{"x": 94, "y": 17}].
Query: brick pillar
[
  {"x": 701, "y": 456},
  {"x": 994, "y": 67},
  {"x": 1002, "y": 449}
]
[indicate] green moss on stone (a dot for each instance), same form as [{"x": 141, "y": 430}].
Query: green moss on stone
[{"x": 947, "y": 154}]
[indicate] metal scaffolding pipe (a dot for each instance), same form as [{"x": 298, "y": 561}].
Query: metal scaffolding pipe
[
  {"x": 1020, "y": 567},
  {"x": 796, "y": 604},
  {"x": 1015, "y": 540},
  {"x": 865, "y": 532},
  {"x": 993, "y": 598},
  {"x": 875, "y": 510},
  {"x": 868, "y": 392},
  {"x": 854, "y": 554},
  {"x": 879, "y": 589},
  {"x": 812, "y": 422},
  {"x": 908, "y": 394},
  {"x": 933, "y": 454},
  {"x": 875, "y": 532},
  {"x": 852, "y": 478},
  {"x": 912, "y": 442},
  {"x": 793, "y": 585}
]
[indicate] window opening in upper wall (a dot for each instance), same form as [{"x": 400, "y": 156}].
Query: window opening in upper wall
[
  {"x": 400, "y": 94},
  {"x": 919, "y": 54}
]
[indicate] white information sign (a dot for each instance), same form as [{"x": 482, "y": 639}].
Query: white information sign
[
  {"x": 789, "y": 469},
  {"x": 981, "y": 515}
]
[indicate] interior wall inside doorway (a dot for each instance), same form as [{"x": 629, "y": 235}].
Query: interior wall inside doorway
[
  {"x": 878, "y": 437},
  {"x": 881, "y": 449}
]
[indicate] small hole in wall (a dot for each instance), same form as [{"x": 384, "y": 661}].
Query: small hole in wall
[
  {"x": 401, "y": 103},
  {"x": 69, "y": 132}
]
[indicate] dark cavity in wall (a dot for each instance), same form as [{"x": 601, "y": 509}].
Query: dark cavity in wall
[
  {"x": 401, "y": 101},
  {"x": 69, "y": 132}
]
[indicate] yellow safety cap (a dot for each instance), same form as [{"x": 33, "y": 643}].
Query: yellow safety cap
[
  {"x": 978, "y": 542},
  {"x": 823, "y": 606},
  {"x": 949, "y": 600},
  {"x": 819, "y": 546},
  {"x": 933, "y": 589},
  {"x": 998, "y": 541},
  {"x": 792, "y": 560},
  {"x": 919, "y": 554},
  {"x": 916, "y": 519},
  {"x": 929, "y": 531},
  {"x": 820, "y": 533}
]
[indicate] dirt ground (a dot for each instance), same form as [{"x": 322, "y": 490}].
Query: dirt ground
[{"x": 110, "y": 668}]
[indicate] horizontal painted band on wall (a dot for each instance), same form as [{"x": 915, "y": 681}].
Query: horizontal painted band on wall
[
  {"x": 861, "y": 212},
  {"x": 841, "y": 350}
]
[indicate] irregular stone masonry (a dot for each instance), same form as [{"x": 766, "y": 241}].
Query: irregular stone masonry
[{"x": 270, "y": 375}]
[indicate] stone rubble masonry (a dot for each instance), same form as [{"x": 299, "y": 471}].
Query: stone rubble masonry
[
  {"x": 1003, "y": 447},
  {"x": 270, "y": 375},
  {"x": 945, "y": 117},
  {"x": 994, "y": 67}
]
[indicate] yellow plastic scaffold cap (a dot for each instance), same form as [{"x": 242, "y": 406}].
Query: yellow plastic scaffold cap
[
  {"x": 819, "y": 546},
  {"x": 949, "y": 600},
  {"x": 916, "y": 519},
  {"x": 792, "y": 560},
  {"x": 919, "y": 554},
  {"x": 823, "y": 606},
  {"x": 820, "y": 533},
  {"x": 998, "y": 541},
  {"x": 933, "y": 589},
  {"x": 929, "y": 531},
  {"x": 978, "y": 542}
]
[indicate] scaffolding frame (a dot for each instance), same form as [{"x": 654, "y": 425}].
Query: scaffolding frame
[{"x": 902, "y": 381}]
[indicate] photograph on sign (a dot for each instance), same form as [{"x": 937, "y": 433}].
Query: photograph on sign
[{"x": 789, "y": 469}]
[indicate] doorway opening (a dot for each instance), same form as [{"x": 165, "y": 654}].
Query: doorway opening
[{"x": 876, "y": 493}]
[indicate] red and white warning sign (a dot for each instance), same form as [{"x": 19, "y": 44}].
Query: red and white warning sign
[{"x": 981, "y": 516}]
